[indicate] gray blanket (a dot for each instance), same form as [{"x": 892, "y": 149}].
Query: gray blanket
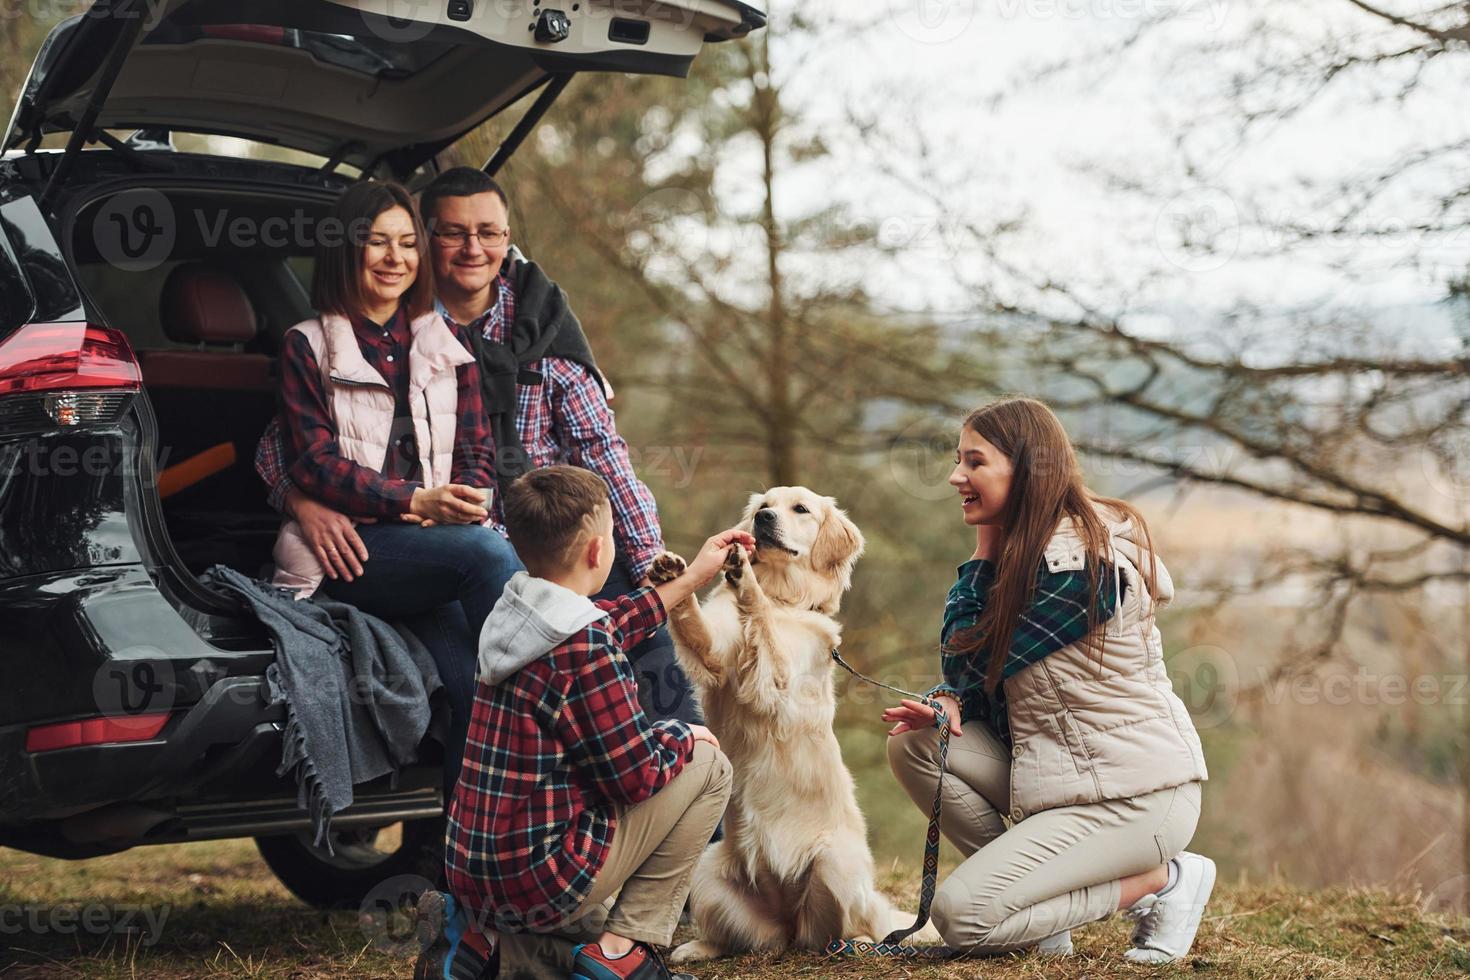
[{"x": 356, "y": 692}]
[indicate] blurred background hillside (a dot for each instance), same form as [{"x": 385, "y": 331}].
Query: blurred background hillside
[{"x": 1229, "y": 240}]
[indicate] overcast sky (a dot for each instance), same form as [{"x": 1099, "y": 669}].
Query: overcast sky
[{"x": 932, "y": 65}]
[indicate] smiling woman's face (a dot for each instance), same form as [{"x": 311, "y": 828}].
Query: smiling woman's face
[
  {"x": 982, "y": 476},
  {"x": 390, "y": 261}
]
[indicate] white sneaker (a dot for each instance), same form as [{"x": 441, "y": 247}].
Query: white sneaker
[
  {"x": 1166, "y": 923},
  {"x": 1057, "y": 945}
]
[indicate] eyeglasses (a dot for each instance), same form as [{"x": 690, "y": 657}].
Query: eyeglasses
[{"x": 458, "y": 238}]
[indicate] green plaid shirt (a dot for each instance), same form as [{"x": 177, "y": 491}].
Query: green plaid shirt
[{"x": 1057, "y": 617}]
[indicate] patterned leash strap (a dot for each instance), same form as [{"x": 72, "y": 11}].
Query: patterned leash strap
[{"x": 893, "y": 944}]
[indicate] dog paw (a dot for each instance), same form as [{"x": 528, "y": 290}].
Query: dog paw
[
  {"x": 692, "y": 952},
  {"x": 665, "y": 568},
  {"x": 736, "y": 565}
]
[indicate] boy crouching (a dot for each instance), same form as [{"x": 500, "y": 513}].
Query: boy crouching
[{"x": 568, "y": 794}]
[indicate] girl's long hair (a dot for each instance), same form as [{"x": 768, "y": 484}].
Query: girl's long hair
[{"x": 1046, "y": 489}]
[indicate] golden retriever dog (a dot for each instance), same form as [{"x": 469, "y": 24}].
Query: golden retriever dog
[{"x": 793, "y": 869}]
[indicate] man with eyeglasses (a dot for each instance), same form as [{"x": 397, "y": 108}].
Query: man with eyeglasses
[{"x": 546, "y": 400}]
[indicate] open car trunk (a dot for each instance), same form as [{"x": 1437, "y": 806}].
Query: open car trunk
[{"x": 354, "y": 81}]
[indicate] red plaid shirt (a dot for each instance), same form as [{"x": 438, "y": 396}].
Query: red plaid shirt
[
  {"x": 320, "y": 469},
  {"x": 552, "y": 752}
]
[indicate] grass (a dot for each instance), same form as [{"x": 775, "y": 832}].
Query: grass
[{"x": 219, "y": 913}]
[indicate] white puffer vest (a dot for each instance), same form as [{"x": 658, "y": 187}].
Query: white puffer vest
[
  {"x": 362, "y": 409},
  {"x": 1083, "y": 734}
]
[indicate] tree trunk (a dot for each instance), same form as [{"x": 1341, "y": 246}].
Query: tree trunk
[{"x": 781, "y": 427}]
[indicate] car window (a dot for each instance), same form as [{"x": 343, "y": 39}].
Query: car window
[
  {"x": 302, "y": 266},
  {"x": 16, "y": 301},
  {"x": 130, "y": 300}
]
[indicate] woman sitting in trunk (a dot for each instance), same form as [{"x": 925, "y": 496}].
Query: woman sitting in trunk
[{"x": 381, "y": 404}]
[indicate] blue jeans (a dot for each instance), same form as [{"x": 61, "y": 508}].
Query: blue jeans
[
  {"x": 442, "y": 582},
  {"x": 663, "y": 690}
]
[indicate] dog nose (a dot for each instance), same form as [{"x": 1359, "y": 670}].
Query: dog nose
[{"x": 764, "y": 517}]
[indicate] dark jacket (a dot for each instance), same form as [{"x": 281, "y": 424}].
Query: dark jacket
[{"x": 544, "y": 326}]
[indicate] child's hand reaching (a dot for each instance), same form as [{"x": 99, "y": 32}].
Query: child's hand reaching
[
  {"x": 914, "y": 715},
  {"x": 705, "y": 566},
  {"x": 711, "y": 558}
]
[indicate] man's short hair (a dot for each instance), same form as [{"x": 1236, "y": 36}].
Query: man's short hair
[
  {"x": 550, "y": 512},
  {"x": 458, "y": 182}
]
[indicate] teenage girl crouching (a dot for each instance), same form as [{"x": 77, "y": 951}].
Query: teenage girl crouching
[{"x": 1074, "y": 786}]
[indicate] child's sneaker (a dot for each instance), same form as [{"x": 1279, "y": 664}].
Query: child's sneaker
[
  {"x": 642, "y": 962},
  {"x": 451, "y": 949},
  {"x": 1167, "y": 921}
]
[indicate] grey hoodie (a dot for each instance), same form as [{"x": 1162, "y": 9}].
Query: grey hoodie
[{"x": 532, "y": 617}]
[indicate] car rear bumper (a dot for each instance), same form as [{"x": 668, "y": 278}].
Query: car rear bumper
[{"x": 208, "y": 774}]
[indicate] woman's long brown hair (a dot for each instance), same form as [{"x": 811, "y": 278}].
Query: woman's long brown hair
[{"x": 1046, "y": 489}]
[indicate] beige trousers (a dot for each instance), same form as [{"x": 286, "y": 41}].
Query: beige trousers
[
  {"x": 1054, "y": 870},
  {"x": 649, "y": 867}
]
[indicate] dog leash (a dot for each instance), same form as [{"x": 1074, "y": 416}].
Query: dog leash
[{"x": 893, "y": 944}]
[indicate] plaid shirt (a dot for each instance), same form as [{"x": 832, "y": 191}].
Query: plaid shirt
[
  {"x": 565, "y": 419},
  {"x": 1057, "y": 617},
  {"x": 322, "y": 471},
  {"x": 553, "y": 752}
]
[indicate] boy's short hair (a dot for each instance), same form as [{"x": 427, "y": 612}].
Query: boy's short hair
[{"x": 548, "y": 513}]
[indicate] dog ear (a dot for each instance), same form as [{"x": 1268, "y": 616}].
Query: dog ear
[
  {"x": 838, "y": 544},
  {"x": 747, "y": 519}
]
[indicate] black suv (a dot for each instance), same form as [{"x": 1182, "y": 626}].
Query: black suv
[{"x": 144, "y": 292}]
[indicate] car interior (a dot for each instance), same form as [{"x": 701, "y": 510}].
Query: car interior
[{"x": 206, "y": 326}]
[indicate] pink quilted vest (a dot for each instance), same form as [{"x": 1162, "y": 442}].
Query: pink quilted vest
[{"x": 362, "y": 408}]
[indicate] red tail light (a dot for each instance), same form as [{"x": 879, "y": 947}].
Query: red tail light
[
  {"x": 65, "y": 357},
  {"x": 95, "y": 731}
]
